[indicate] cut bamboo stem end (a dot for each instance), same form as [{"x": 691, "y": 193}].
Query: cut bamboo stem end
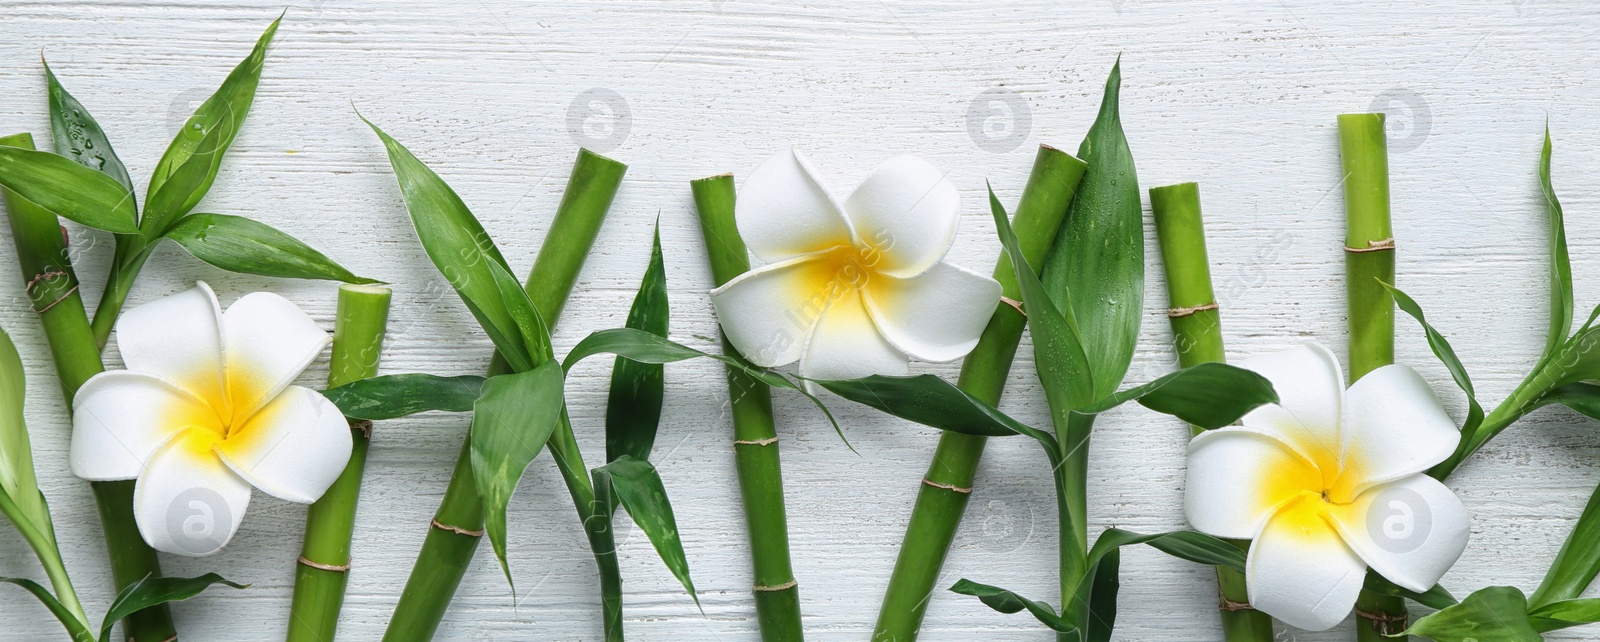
[{"x": 936, "y": 516}]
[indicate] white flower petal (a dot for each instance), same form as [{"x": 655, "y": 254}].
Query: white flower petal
[
  {"x": 187, "y": 502},
  {"x": 784, "y": 210},
  {"x": 1310, "y": 389},
  {"x": 1394, "y": 427},
  {"x": 269, "y": 341},
  {"x": 120, "y": 417},
  {"x": 908, "y": 211},
  {"x": 1300, "y": 571},
  {"x": 1410, "y": 531},
  {"x": 1238, "y": 477},
  {"x": 845, "y": 345},
  {"x": 936, "y": 316},
  {"x": 767, "y": 312},
  {"x": 178, "y": 338},
  {"x": 293, "y": 449}
]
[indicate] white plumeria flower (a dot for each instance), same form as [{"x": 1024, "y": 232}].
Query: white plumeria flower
[
  {"x": 1329, "y": 482},
  {"x": 204, "y": 411},
  {"x": 854, "y": 288}
]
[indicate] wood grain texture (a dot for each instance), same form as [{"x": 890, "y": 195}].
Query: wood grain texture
[{"x": 1240, "y": 97}]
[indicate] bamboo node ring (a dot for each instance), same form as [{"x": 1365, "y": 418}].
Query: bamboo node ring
[
  {"x": 1178, "y": 313},
  {"x": 950, "y": 487},
  {"x": 1384, "y": 623},
  {"x": 756, "y": 442},
  {"x": 455, "y": 529},
  {"x": 363, "y": 425},
  {"x": 332, "y": 568},
  {"x": 773, "y": 589},
  {"x": 1015, "y": 304},
  {"x": 1380, "y": 245}
]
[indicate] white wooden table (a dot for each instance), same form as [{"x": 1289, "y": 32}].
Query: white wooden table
[{"x": 496, "y": 96}]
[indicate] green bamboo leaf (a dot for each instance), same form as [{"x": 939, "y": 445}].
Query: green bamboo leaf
[
  {"x": 646, "y": 347},
  {"x": 77, "y": 630},
  {"x": 187, "y": 169},
  {"x": 511, "y": 421},
  {"x": 1582, "y": 397},
  {"x": 78, "y": 136},
  {"x": 454, "y": 240},
  {"x": 1560, "y": 264},
  {"x": 17, "y": 479},
  {"x": 1446, "y": 355},
  {"x": 932, "y": 401},
  {"x": 1565, "y": 614},
  {"x": 151, "y": 591},
  {"x": 239, "y": 244},
  {"x": 1103, "y": 597},
  {"x": 638, "y": 487},
  {"x": 70, "y": 190},
  {"x": 1208, "y": 395},
  {"x": 1008, "y": 602},
  {"x": 1098, "y": 256},
  {"x": 528, "y": 341},
  {"x": 399, "y": 395},
  {"x": 1494, "y": 614},
  {"x": 1058, "y": 351},
  {"x": 1101, "y": 583},
  {"x": 633, "y": 407},
  {"x": 1578, "y": 562},
  {"x": 1187, "y": 545}
]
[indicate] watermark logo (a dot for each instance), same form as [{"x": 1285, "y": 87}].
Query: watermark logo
[
  {"x": 182, "y": 107},
  {"x": 1409, "y": 120},
  {"x": 599, "y": 119},
  {"x": 1002, "y": 526},
  {"x": 999, "y": 120},
  {"x": 1399, "y": 520},
  {"x": 198, "y": 520}
]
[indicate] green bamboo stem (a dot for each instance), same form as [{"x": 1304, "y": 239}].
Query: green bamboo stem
[
  {"x": 458, "y": 524},
  {"x": 947, "y": 486},
  {"x": 128, "y": 259},
  {"x": 1369, "y": 242},
  {"x": 598, "y": 528},
  {"x": 1197, "y": 337},
  {"x": 1072, "y": 503},
  {"x": 52, "y": 288},
  {"x": 755, "y": 437},
  {"x": 1369, "y": 258},
  {"x": 324, "y": 565}
]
